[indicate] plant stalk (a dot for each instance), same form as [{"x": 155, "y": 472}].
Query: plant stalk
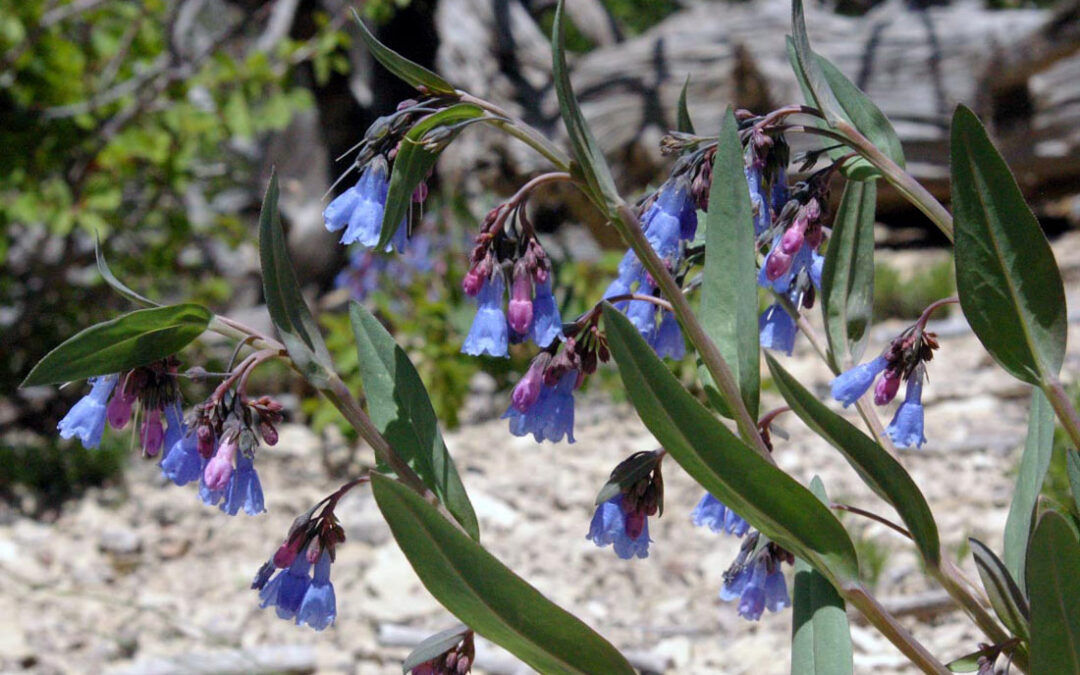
[
  {"x": 1067, "y": 415},
  {"x": 888, "y": 626}
]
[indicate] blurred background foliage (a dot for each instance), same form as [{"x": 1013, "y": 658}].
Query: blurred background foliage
[{"x": 149, "y": 124}]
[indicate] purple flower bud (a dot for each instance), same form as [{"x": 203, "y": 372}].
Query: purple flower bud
[
  {"x": 119, "y": 410},
  {"x": 793, "y": 238},
  {"x": 220, "y": 467},
  {"x": 205, "y": 437},
  {"x": 152, "y": 434},
  {"x": 777, "y": 263},
  {"x": 528, "y": 387},
  {"x": 520, "y": 312},
  {"x": 887, "y": 387},
  {"x": 473, "y": 282}
]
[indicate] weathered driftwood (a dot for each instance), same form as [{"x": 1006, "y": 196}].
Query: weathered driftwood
[{"x": 1019, "y": 69}]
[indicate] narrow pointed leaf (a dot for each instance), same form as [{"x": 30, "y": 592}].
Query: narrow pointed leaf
[
  {"x": 729, "y": 299},
  {"x": 732, "y": 471},
  {"x": 857, "y": 109},
  {"x": 400, "y": 408},
  {"x": 414, "y": 161},
  {"x": 807, "y": 68},
  {"x": 412, "y": 73},
  {"x": 820, "y": 634},
  {"x": 969, "y": 663},
  {"x": 1053, "y": 580},
  {"x": 1008, "y": 281},
  {"x": 436, "y": 645},
  {"x": 590, "y": 160},
  {"x": 1038, "y": 449},
  {"x": 885, "y": 476},
  {"x": 485, "y": 595},
  {"x": 684, "y": 123},
  {"x": 847, "y": 280},
  {"x": 1072, "y": 467},
  {"x": 284, "y": 301},
  {"x": 129, "y": 341},
  {"x": 117, "y": 285},
  {"x": 1004, "y": 594}
]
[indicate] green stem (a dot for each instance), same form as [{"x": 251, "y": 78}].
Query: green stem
[
  {"x": 626, "y": 222},
  {"x": 523, "y": 132},
  {"x": 951, "y": 580},
  {"x": 912, "y": 189},
  {"x": 887, "y": 624}
]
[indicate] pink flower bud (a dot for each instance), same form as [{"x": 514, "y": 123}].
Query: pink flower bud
[
  {"x": 152, "y": 434},
  {"x": 777, "y": 265},
  {"x": 268, "y": 432},
  {"x": 473, "y": 282},
  {"x": 520, "y": 312},
  {"x": 793, "y": 237},
  {"x": 887, "y": 387},
  {"x": 220, "y": 467},
  {"x": 528, "y": 388},
  {"x": 635, "y": 524},
  {"x": 119, "y": 410}
]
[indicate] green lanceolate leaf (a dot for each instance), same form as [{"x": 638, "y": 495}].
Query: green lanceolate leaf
[
  {"x": 1072, "y": 467},
  {"x": 415, "y": 160},
  {"x": 969, "y": 663},
  {"x": 117, "y": 285},
  {"x": 684, "y": 123},
  {"x": 729, "y": 281},
  {"x": 1004, "y": 594},
  {"x": 1053, "y": 581},
  {"x": 401, "y": 410},
  {"x": 284, "y": 301},
  {"x": 129, "y": 341},
  {"x": 820, "y": 634},
  {"x": 433, "y": 647},
  {"x": 412, "y": 73},
  {"x": 885, "y": 476},
  {"x": 1008, "y": 282},
  {"x": 732, "y": 471},
  {"x": 485, "y": 595},
  {"x": 590, "y": 159},
  {"x": 807, "y": 68},
  {"x": 847, "y": 281},
  {"x": 1038, "y": 449},
  {"x": 857, "y": 109}
]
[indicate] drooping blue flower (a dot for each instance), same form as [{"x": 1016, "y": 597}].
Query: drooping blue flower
[
  {"x": 182, "y": 464},
  {"x": 851, "y": 384},
  {"x": 668, "y": 340},
  {"x": 244, "y": 490},
  {"x": 906, "y": 428},
  {"x": 287, "y": 589},
  {"x": 757, "y": 589},
  {"x": 318, "y": 609},
  {"x": 359, "y": 210},
  {"x": 176, "y": 429},
  {"x": 777, "y": 329},
  {"x": 552, "y": 415},
  {"x": 489, "y": 333},
  {"x": 547, "y": 323},
  {"x": 86, "y": 419},
  {"x": 712, "y": 512},
  {"x": 609, "y": 526}
]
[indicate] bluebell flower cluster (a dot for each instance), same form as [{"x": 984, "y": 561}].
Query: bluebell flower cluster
[
  {"x": 669, "y": 221},
  {"x": 298, "y": 595},
  {"x": 904, "y": 359},
  {"x": 359, "y": 210},
  {"x": 626, "y": 529},
  {"x": 711, "y": 512},
  {"x": 758, "y": 585}
]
